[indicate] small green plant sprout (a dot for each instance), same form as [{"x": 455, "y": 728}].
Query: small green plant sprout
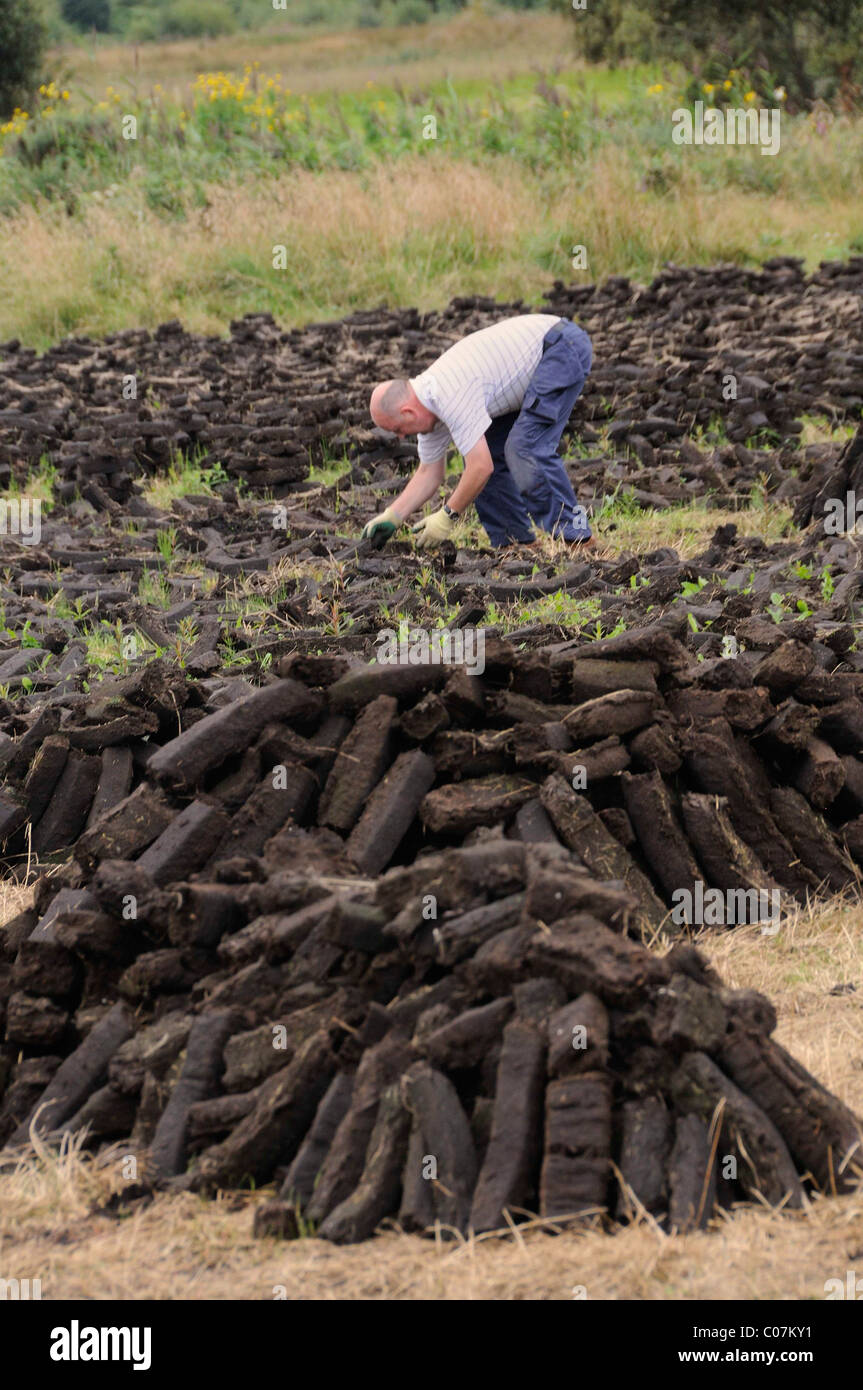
[
  {"x": 331, "y": 469},
  {"x": 26, "y": 638},
  {"x": 39, "y": 483},
  {"x": 154, "y": 590},
  {"x": 776, "y": 607},
  {"x": 166, "y": 542},
  {"x": 828, "y": 584},
  {"x": 215, "y": 475},
  {"x": 339, "y": 622}
]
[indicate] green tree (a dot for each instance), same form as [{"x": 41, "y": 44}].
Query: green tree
[
  {"x": 88, "y": 14},
  {"x": 811, "y": 47},
  {"x": 198, "y": 18},
  {"x": 22, "y": 47}
]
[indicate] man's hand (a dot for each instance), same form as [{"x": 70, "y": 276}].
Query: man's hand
[
  {"x": 433, "y": 529},
  {"x": 381, "y": 528}
]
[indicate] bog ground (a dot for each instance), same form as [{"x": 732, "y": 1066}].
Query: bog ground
[
  {"x": 191, "y": 720},
  {"x": 528, "y": 964}
]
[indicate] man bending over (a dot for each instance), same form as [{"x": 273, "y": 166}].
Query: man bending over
[{"x": 503, "y": 397}]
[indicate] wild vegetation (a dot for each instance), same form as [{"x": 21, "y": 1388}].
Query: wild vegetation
[{"x": 391, "y": 170}]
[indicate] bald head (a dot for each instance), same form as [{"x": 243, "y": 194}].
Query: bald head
[{"x": 395, "y": 406}]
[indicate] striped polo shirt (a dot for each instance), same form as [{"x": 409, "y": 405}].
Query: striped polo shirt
[{"x": 484, "y": 375}]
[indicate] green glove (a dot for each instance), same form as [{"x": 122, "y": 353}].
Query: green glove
[
  {"x": 433, "y": 529},
  {"x": 381, "y": 528}
]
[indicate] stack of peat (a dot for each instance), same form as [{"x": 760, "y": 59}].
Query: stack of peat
[{"x": 376, "y": 932}]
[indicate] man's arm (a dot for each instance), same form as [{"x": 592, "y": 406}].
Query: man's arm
[
  {"x": 478, "y": 468},
  {"x": 423, "y": 485}
]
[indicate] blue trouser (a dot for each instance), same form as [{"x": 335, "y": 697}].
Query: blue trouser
[{"x": 529, "y": 479}]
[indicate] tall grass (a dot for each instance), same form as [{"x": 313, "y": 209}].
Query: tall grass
[
  {"x": 416, "y": 232},
  {"x": 254, "y": 125}
]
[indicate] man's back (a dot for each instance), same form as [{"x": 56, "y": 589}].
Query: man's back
[{"x": 480, "y": 377}]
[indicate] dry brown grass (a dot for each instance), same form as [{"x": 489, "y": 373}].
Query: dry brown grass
[
  {"x": 182, "y": 1247},
  {"x": 482, "y": 47},
  {"x": 686, "y": 529},
  {"x": 815, "y": 951},
  {"x": 14, "y": 897},
  {"x": 415, "y": 233}
]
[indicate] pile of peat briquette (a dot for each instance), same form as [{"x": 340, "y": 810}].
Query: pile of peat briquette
[{"x": 399, "y": 938}]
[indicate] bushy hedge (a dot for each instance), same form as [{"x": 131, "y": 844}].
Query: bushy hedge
[
  {"x": 88, "y": 14},
  {"x": 22, "y": 45},
  {"x": 192, "y": 19},
  {"x": 812, "y": 48}
]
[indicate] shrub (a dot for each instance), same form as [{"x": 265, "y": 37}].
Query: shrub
[
  {"x": 143, "y": 27},
  {"x": 88, "y": 14},
  {"x": 818, "y": 42},
  {"x": 22, "y": 45},
  {"x": 412, "y": 12},
  {"x": 192, "y": 19}
]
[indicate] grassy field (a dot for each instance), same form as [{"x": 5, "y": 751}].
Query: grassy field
[
  {"x": 473, "y": 48},
  {"x": 319, "y": 145},
  {"x": 412, "y": 234}
]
